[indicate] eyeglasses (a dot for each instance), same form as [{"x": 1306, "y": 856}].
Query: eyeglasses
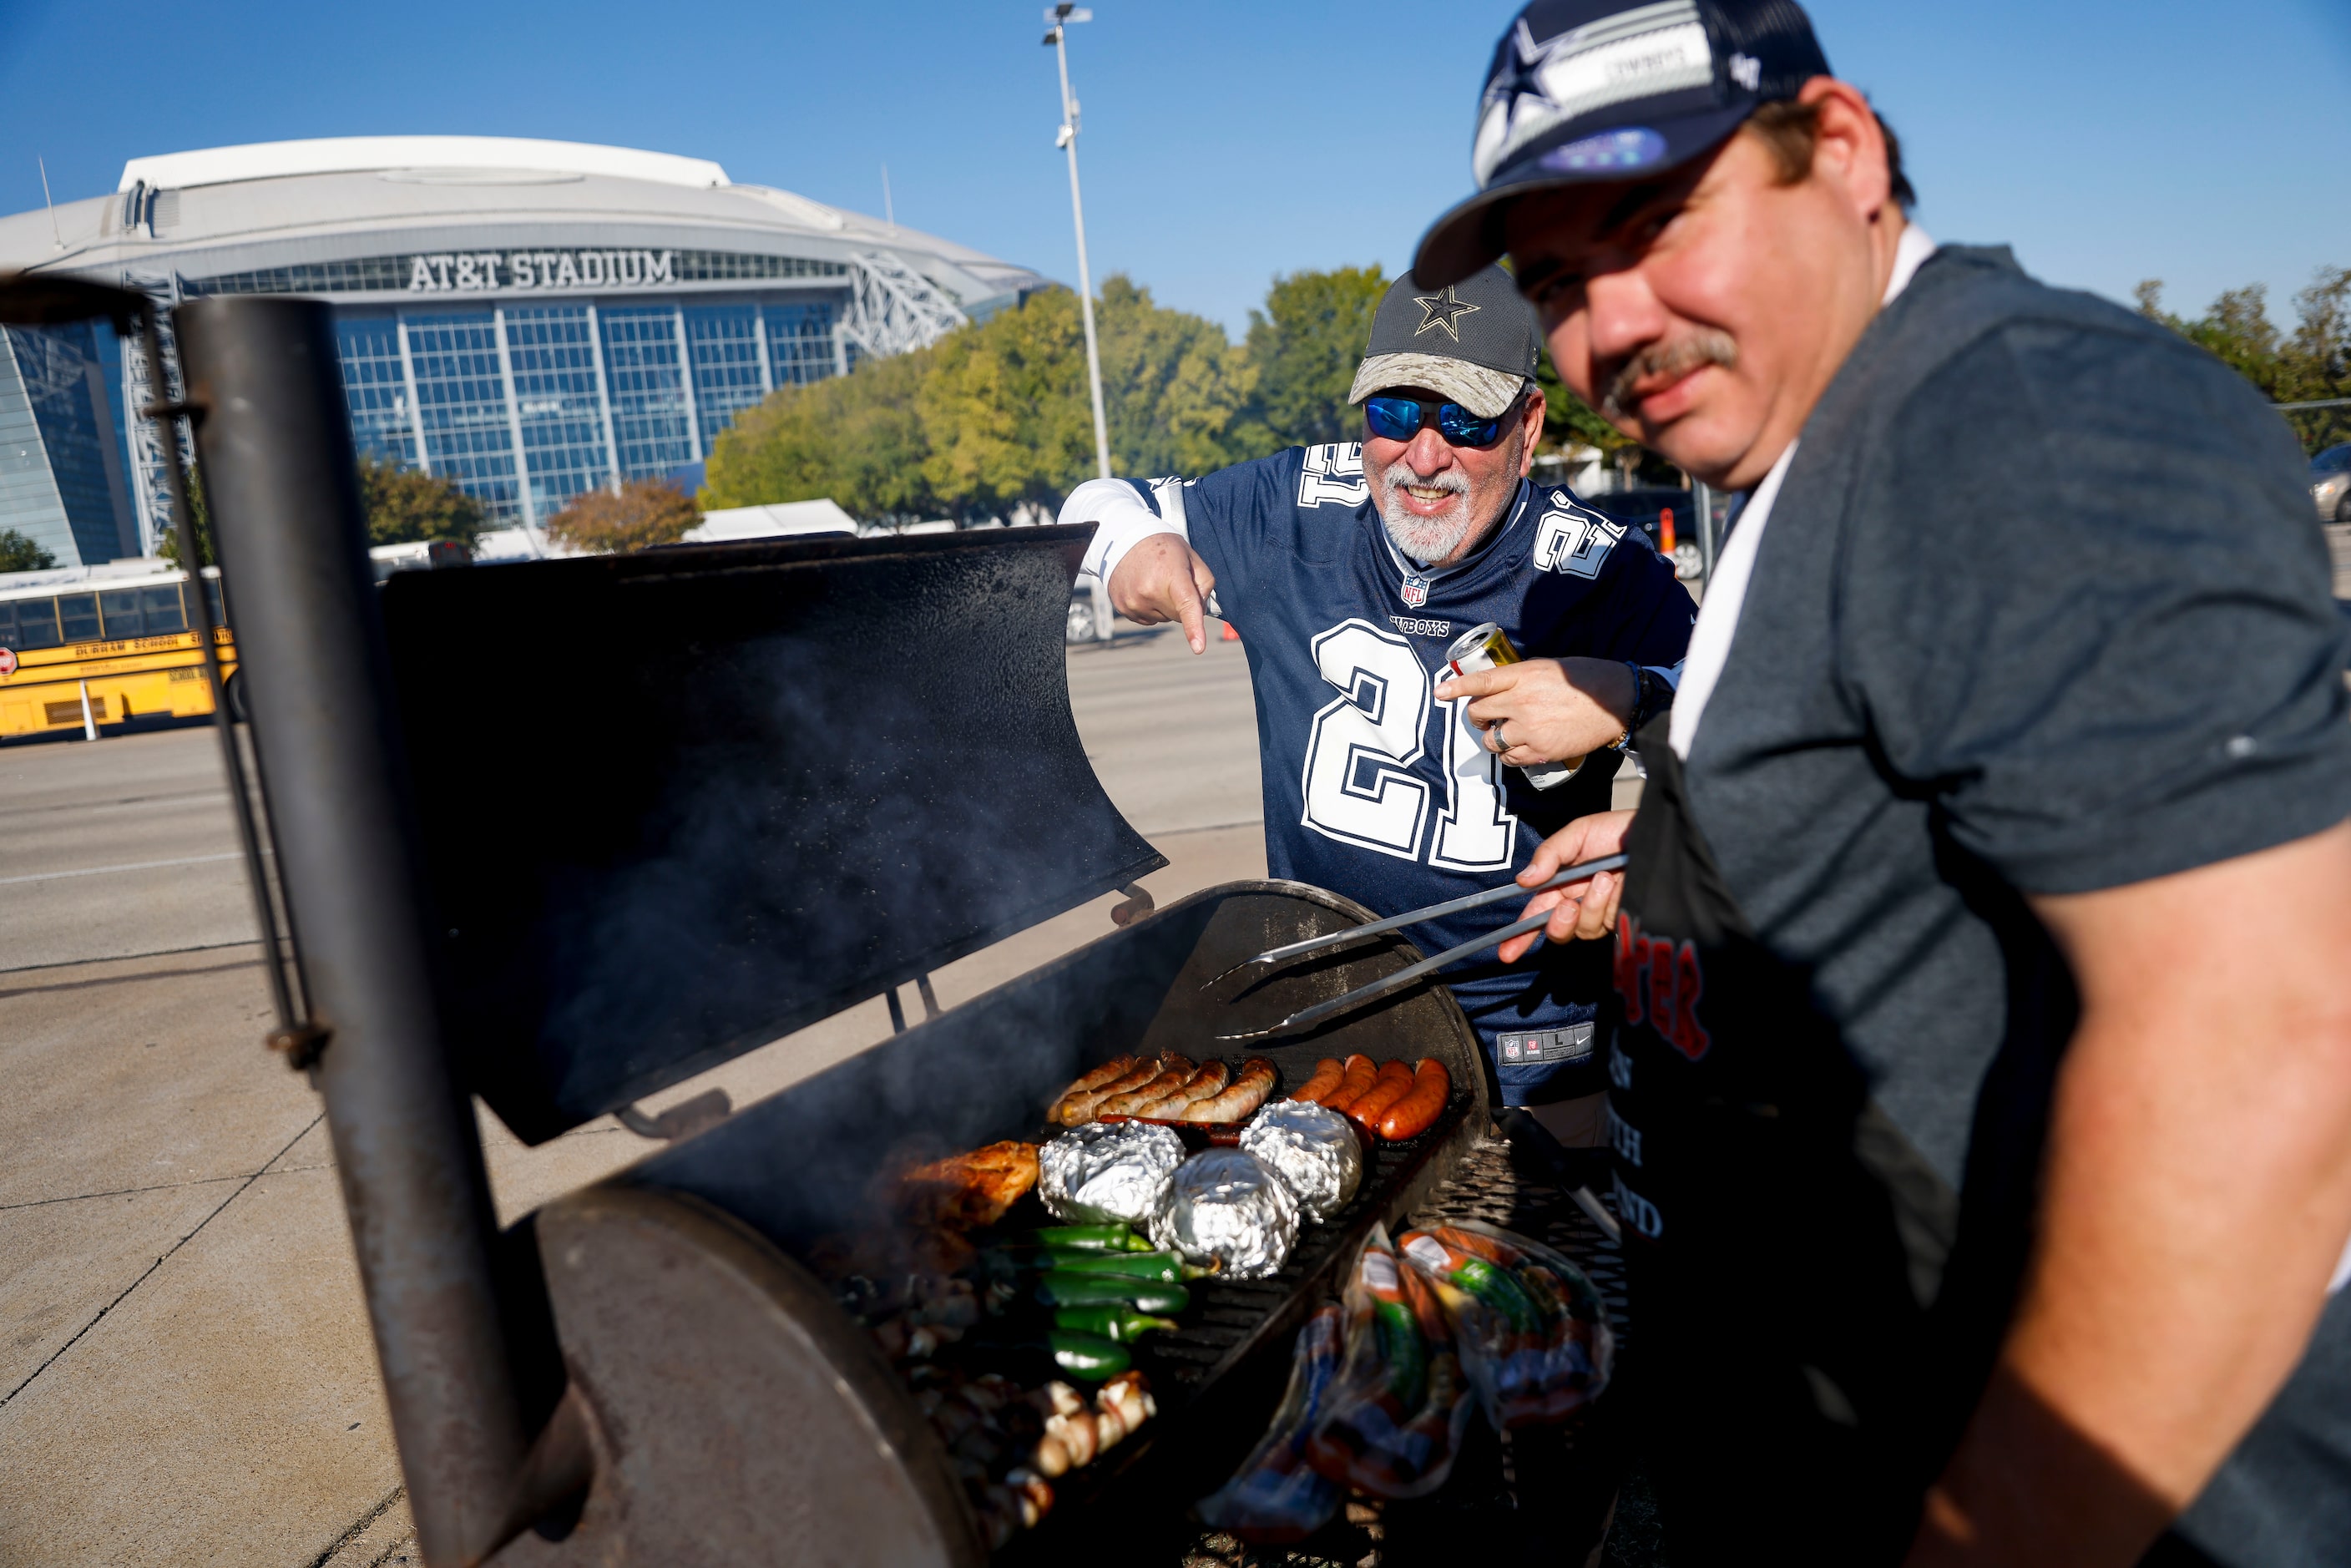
[{"x": 1401, "y": 418}]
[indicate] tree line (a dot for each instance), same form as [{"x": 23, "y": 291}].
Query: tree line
[{"x": 2312, "y": 363}]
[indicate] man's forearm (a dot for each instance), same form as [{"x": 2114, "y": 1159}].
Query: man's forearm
[{"x": 2196, "y": 1195}]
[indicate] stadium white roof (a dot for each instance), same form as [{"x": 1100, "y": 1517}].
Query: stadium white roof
[
  {"x": 238, "y": 212},
  {"x": 371, "y": 154}
]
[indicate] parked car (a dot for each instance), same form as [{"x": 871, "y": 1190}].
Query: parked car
[
  {"x": 1646, "y": 508},
  {"x": 2330, "y": 484}
]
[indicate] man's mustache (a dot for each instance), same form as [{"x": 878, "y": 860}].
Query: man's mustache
[
  {"x": 1401, "y": 473},
  {"x": 1706, "y": 346}
]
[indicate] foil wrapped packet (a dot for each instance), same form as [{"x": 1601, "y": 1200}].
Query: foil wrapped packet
[
  {"x": 1108, "y": 1175},
  {"x": 1222, "y": 1204},
  {"x": 1312, "y": 1150}
]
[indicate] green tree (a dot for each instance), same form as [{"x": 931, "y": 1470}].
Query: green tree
[
  {"x": 1304, "y": 346},
  {"x": 643, "y": 513},
  {"x": 1569, "y": 421},
  {"x": 1006, "y": 409},
  {"x": 2310, "y": 364},
  {"x": 857, "y": 440},
  {"x": 167, "y": 545},
  {"x": 18, "y": 553},
  {"x": 1174, "y": 389},
  {"x": 401, "y": 506},
  {"x": 407, "y": 506}
]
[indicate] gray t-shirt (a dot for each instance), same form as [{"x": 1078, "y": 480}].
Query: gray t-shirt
[{"x": 2041, "y": 609}]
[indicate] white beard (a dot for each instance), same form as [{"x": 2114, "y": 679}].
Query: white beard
[{"x": 1425, "y": 539}]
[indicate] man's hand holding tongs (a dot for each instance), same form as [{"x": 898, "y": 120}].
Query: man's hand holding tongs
[{"x": 1585, "y": 910}]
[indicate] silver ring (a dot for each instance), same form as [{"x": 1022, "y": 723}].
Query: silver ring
[{"x": 1500, "y": 745}]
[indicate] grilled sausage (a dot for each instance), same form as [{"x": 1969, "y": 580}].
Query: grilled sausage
[
  {"x": 1173, "y": 1071},
  {"x": 1078, "y": 1106},
  {"x": 1395, "y": 1081},
  {"x": 1328, "y": 1074},
  {"x": 1412, "y": 1115},
  {"x": 1117, "y": 1067},
  {"x": 1206, "y": 1084},
  {"x": 1361, "y": 1073},
  {"x": 1252, "y": 1085}
]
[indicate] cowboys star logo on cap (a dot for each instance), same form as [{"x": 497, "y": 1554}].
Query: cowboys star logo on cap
[
  {"x": 1442, "y": 310},
  {"x": 1606, "y": 91}
]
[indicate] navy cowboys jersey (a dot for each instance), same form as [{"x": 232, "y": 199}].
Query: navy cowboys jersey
[{"x": 1375, "y": 790}]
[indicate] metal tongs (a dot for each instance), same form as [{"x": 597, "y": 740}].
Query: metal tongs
[{"x": 1306, "y": 1018}]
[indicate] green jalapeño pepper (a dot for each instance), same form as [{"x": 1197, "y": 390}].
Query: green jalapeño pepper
[
  {"x": 1402, "y": 1348},
  {"x": 1066, "y": 1287},
  {"x": 1122, "y": 1323},
  {"x": 1164, "y": 1267},
  {"x": 1088, "y": 1356},
  {"x": 1090, "y": 1239}
]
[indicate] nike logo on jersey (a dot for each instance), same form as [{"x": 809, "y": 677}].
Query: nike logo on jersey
[
  {"x": 1333, "y": 477},
  {"x": 1572, "y": 541}
]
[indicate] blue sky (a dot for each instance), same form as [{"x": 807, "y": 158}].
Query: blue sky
[{"x": 1224, "y": 143}]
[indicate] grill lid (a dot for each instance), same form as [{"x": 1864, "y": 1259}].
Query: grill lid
[{"x": 679, "y": 803}]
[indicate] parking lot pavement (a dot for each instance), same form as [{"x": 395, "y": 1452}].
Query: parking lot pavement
[{"x": 185, "y": 1372}]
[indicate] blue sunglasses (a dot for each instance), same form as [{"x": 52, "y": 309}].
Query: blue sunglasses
[{"x": 1401, "y": 418}]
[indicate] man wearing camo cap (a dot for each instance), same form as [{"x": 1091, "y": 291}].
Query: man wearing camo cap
[{"x": 1349, "y": 568}]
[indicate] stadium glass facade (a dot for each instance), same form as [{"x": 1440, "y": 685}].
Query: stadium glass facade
[
  {"x": 61, "y": 460},
  {"x": 532, "y": 319},
  {"x": 528, "y": 405}
]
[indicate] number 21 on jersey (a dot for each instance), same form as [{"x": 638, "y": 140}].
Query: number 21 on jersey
[{"x": 1361, "y": 784}]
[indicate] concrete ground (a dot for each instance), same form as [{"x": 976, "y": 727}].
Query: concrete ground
[{"x": 185, "y": 1371}]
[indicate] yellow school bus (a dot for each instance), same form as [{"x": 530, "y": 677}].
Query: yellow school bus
[{"x": 104, "y": 646}]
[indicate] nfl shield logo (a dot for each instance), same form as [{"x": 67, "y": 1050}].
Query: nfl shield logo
[{"x": 1416, "y": 591}]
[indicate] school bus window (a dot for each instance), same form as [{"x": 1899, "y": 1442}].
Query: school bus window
[
  {"x": 77, "y": 617},
  {"x": 37, "y": 624},
  {"x": 160, "y": 609},
  {"x": 120, "y": 608},
  {"x": 213, "y": 599}
]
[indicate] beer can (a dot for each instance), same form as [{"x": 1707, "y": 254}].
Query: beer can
[{"x": 1487, "y": 646}]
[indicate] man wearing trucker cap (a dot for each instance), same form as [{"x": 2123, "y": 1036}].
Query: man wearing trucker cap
[
  {"x": 1982, "y": 1105},
  {"x": 1349, "y": 570}
]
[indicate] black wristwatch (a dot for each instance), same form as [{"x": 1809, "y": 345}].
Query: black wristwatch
[{"x": 1652, "y": 694}]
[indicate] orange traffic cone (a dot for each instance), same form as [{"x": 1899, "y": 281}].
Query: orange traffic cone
[{"x": 1229, "y": 634}]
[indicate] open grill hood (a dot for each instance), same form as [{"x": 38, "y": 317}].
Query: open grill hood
[{"x": 677, "y": 804}]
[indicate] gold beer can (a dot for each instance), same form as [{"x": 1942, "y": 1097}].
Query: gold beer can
[{"x": 1486, "y": 647}]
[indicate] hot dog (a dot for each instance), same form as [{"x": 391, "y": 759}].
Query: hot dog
[
  {"x": 1361, "y": 1073},
  {"x": 1078, "y": 1105},
  {"x": 1412, "y": 1115},
  {"x": 1328, "y": 1074},
  {"x": 1173, "y": 1071},
  {"x": 1252, "y": 1085},
  {"x": 1204, "y": 1083},
  {"x": 1395, "y": 1081}
]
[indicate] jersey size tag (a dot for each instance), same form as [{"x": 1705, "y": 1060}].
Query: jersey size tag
[
  {"x": 1414, "y": 592},
  {"x": 1540, "y": 1047}
]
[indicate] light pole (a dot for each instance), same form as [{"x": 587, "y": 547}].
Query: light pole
[{"x": 1061, "y": 16}]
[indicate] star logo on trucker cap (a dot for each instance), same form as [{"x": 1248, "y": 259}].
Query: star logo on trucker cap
[{"x": 1442, "y": 310}]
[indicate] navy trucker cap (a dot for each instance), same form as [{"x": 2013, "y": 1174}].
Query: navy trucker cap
[{"x": 1586, "y": 90}]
